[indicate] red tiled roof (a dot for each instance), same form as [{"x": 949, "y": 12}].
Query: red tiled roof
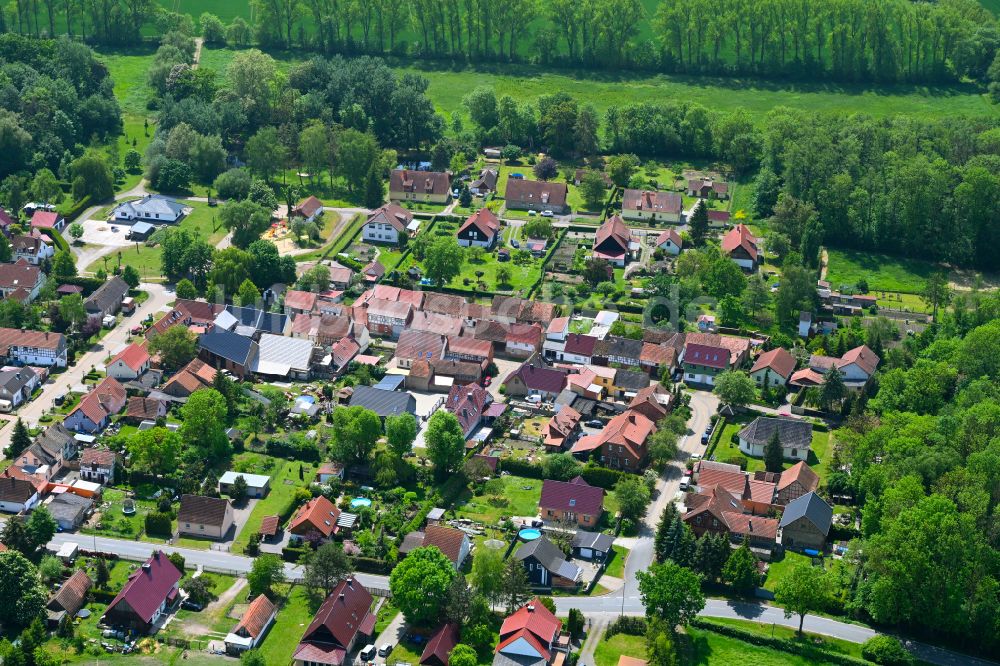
[
  {"x": 308, "y": 207},
  {"x": 529, "y": 334},
  {"x": 441, "y": 644},
  {"x": 433, "y": 322},
  {"x": 317, "y": 514},
  {"x": 613, "y": 237},
  {"x": 533, "y": 618},
  {"x": 561, "y": 425},
  {"x": 344, "y": 613},
  {"x": 778, "y": 360},
  {"x": 669, "y": 235},
  {"x": 269, "y": 525},
  {"x": 19, "y": 275},
  {"x": 807, "y": 377},
  {"x": 105, "y": 399},
  {"x": 467, "y": 403},
  {"x": 98, "y": 457},
  {"x": 712, "y": 357},
  {"x": 656, "y": 202},
  {"x": 148, "y": 587},
  {"x": 864, "y": 357},
  {"x": 133, "y": 356},
  {"x": 139, "y": 407},
  {"x": 447, "y": 539},
  {"x": 740, "y": 236},
  {"x": 579, "y": 344},
  {"x": 420, "y": 345},
  {"x": 300, "y": 300},
  {"x": 576, "y": 496},
  {"x": 469, "y": 346},
  {"x": 45, "y": 219},
  {"x": 429, "y": 182},
  {"x": 256, "y": 616},
  {"x": 484, "y": 220},
  {"x": 800, "y": 472}
]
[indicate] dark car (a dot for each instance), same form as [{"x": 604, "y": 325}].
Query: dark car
[
  {"x": 191, "y": 606},
  {"x": 596, "y": 423},
  {"x": 704, "y": 437}
]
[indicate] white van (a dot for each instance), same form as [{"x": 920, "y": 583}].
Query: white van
[
  {"x": 534, "y": 399},
  {"x": 367, "y": 654}
]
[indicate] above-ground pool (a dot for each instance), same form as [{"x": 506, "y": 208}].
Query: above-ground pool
[
  {"x": 529, "y": 534},
  {"x": 360, "y": 501}
]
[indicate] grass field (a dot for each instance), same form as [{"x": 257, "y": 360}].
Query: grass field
[
  {"x": 603, "y": 89},
  {"x": 609, "y": 649},
  {"x": 819, "y": 454},
  {"x": 522, "y": 500},
  {"x": 814, "y": 640},
  {"x": 293, "y": 618},
  {"x": 882, "y": 272},
  {"x": 711, "y": 649},
  {"x": 279, "y": 500}
]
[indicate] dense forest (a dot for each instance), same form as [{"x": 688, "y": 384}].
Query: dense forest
[{"x": 848, "y": 40}]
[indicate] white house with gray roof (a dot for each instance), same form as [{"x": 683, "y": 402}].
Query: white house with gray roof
[
  {"x": 150, "y": 208},
  {"x": 795, "y": 436}
]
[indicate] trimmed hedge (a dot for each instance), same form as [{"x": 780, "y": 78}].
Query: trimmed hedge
[
  {"x": 632, "y": 625},
  {"x": 783, "y": 644},
  {"x": 57, "y": 239},
  {"x": 601, "y": 477},
  {"x": 74, "y": 211},
  {"x": 102, "y": 596},
  {"x": 294, "y": 553},
  {"x": 372, "y": 565},
  {"x": 159, "y": 524}
]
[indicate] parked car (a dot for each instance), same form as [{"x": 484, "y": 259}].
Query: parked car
[
  {"x": 684, "y": 483},
  {"x": 515, "y": 243},
  {"x": 547, "y": 213},
  {"x": 595, "y": 423},
  {"x": 191, "y": 606},
  {"x": 534, "y": 399},
  {"x": 704, "y": 438},
  {"x": 385, "y": 650},
  {"x": 367, "y": 653}
]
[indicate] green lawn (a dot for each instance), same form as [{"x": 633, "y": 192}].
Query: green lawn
[
  {"x": 616, "y": 567},
  {"x": 712, "y": 649},
  {"x": 279, "y": 500},
  {"x": 816, "y": 640},
  {"x": 522, "y": 276},
  {"x": 293, "y": 618},
  {"x": 779, "y": 569},
  {"x": 387, "y": 612},
  {"x": 203, "y": 220},
  {"x": 819, "y": 455},
  {"x": 520, "y": 496},
  {"x": 882, "y": 272},
  {"x": 609, "y": 649}
]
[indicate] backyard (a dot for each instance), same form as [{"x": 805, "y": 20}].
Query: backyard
[
  {"x": 285, "y": 480},
  {"x": 846, "y": 268},
  {"x": 728, "y": 448}
]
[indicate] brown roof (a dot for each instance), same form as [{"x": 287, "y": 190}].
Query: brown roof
[
  {"x": 468, "y": 346},
  {"x": 269, "y": 525},
  {"x": 736, "y": 346},
  {"x": 447, "y": 539},
  {"x": 549, "y": 380},
  {"x": 733, "y": 480},
  {"x": 527, "y": 192},
  {"x": 202, "y": 510},
  {"x": 141, "y": 408},
  {"x": 21, "y": 337},
  {"x": 655, "y": 202},
  {"x": 98, "y": 457},
  {"x": 256, "y": 616},
  {"x": 740, "y": 236},
  {"x": 447, "y": 304},
  {"x": 653, "y": 354},
  {"x": 300, "y": 300},
  {"x": 484, "y": 220},
  {"x": 577, "y": 496},
  {"x": 433, "y": 322},
  {"x": 19, "y": 274},
  {"x": 107, "y": 398},
  {"x": 343, "y": 614},
  {"x": 523, "y": 310},
  {"x": 72, "y": 594},
  {"x": 420, "y": 368},
  {"x": 424, "y": 182},
  {"x": 439, "y": 647},
  {"x": 864, "y": 357},
  {"x": 613, "y": 235},
  {"x": 800, "y": 472},
  {"x": 308, "y": 207},
  {"x": 778, "y": 360},
  {"x": 396, "y": 216},
  {"x": 669, "y": 235},
  {"x": 420, "y": 345}
]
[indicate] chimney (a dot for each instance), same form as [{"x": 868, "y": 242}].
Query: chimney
[{"x": 341, "y": 597}]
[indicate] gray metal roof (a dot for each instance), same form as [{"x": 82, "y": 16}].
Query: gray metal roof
[
  {"x": 793, "y": 433},
  {"x": 383, "y": 403},
  {"x": 813, "y": 507},
  {"x": 278, "y": 355},
  {"x": 596, "y": 540},
  {"x": 227, "y": 345},
  {"x": 549, "y": 556},
  {"x": 153, "y": 205}
]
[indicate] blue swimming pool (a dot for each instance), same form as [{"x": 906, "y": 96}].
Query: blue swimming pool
[
  {"x": 529, "y": 534},
  {"x": 360, "y": 501}
]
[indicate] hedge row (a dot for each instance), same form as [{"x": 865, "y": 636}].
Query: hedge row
[
  {"x": 74, "y": 211},
  {"x": 372, "y": 565},
  {"x": 103, "y": 596},
  {"x": 57, "y": 239},
  {"x": 601, "y": 477},
  {"x": 784, "y": 644}
]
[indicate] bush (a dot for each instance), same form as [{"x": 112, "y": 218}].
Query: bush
[
  {"x": 886, "y": 650},
  {"x": 159, "y": 523},
  {"x": 601, "y": 476},
  {"x": 627, "y": 624},
  {"x": 71, "y": 212}
]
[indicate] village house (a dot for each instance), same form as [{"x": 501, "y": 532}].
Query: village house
[
  {"x": 707, "y": 188},
  {"x": 196, "y": 315},
  {"x": 432, "y": 322},
  {"x": 466, "y": 348},
  {"x": 204, "y": 517},
  {"x": 481, "y": 229},
  {"x": 147, "y": 595},
  {"x": 343, "y": 618},
  {"x": 195, "y": 375},
  {"x": 310, "y": 209},
  {"x": 573, "y": 501},
  {"x": 628, "y": 383},
  {"x": 795, "y": 436},
  {"x": 98, "y": 465},
  {"x": 95, "y": 409},
  {"x": 718, "y": 510},
  {"x": 150, "y": 208},
  {"x": 318, "y": 517},
  {"x": 702, "y": 363},
  {"x": 32, "y": 249},
  {"x": 530, "y": 379},
  {"x": 418, "y": 345},
  {"x": 21, "y": 281},
  {"x": 592, "y": 546},
  {"x": 511, "y": 309},
  {"x": 68, "y": 510},
  {"x": 522, "y": 194},
  {"x": 741, "y": 246},
  {"x": 258, "y": 485},
  {"x": 29, "y": 347},
  {"x": 141, "y": 408},
  {"x": 452, "y": 542},
  {"x": 856, "y": 368},
  {"x": 47, "y": 219},
  {"x": 615, "y": 349},
  {"x": 389, "y": 224},
  {"x": 107, "y": 299},
  {"x": 615, "y": 243},
  {"x": 794, "y": 482},
  {"x": 773, "y": 368},
  {"x": 283, "y": 357},
  {"x": 522, "y": 340},
  {"x": 299, "y": 302},
  {"x": 622, "y": 444},
  {"x": 652, "y": 206},
  {"x": 546, "y": 566},
  {"x": 16, "y": 387},
  {"x": 388, "y": 318},
  {"x": 252, "y": 627},
  {"x": 468, "y": 403},
  {"x": 383, "y": 402},
  {"x": 654, "y": 402},
  {"x": 656, "y": 358},
  {"x": 531, "y": 635},
  {"x": 806, "y": 522},
  {"x": 670, "y": 242},
  {"x": 252, "y": 322},
  {"x": 486, "y": 183},
  {"x": 423, "y": 186},
  {"x": 129, "y": 363},
  {"x": 561, "y": 430},
  {"x": 225, "y": 350},
  {"x": 17, "y": 495}
]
